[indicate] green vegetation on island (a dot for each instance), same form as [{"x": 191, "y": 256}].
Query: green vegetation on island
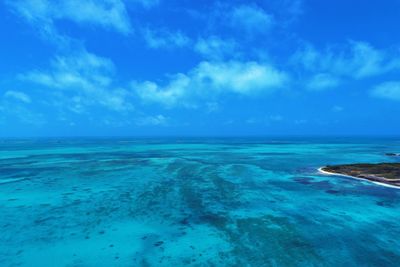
[
  {"x": 393, "y": 154},
  {"x": 387, "y": 173}
]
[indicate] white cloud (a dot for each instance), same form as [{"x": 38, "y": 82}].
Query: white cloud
[
  {"x": 337, "y": 108},
  {"x": 322, "y": 81},
  {"x": 158, "y": 120},
  {"x": 17, "y": 95},
  {"x": 165, "y": 39},
  {"x": 212, "y": 107},
  {"x": 83, "y": 79},
  {"x": 110, "y": 14},
  {"x": 294, "y": 7},
  {"x": 212, "y": 78},
  {"x": 214, "y": 47},
  {"x": 356, "y": 60},
  {"x": 388, "y": 90},
  {"x": 16, "y": 112},
  {"x": 146, "y": 3},
  {"x": 267, "y": 119},
  {"x": 300, "y": 122},
  {"x": 275, "y": 118},
  {"x": 251, "y": 18}
]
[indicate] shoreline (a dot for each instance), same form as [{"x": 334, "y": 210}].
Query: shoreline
[{"x": 357, "y": 178}]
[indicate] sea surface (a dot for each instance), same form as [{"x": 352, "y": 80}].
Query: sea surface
[{"x": 194, "y": 202}]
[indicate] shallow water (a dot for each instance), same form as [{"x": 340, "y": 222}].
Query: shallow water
[{"x": 194, "y": 202}]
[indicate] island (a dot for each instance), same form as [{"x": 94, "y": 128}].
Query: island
[{"x": 381, "y": 173}]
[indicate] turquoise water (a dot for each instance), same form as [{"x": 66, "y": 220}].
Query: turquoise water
[{"x": 194, "y": 202}]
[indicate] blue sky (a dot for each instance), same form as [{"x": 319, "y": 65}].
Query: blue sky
[{"x": 199, "y": 68}]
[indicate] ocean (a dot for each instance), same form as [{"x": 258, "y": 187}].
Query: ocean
[{"x": 194, "y": 202}]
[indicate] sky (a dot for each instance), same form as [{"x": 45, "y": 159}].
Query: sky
[{"x": 199, "y": 68}]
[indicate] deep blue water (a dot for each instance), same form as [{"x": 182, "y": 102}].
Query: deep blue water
[{"x": 194, "y": 202}]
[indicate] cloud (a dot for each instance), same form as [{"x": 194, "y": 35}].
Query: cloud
[
  {"x": 322, "y": 81},
  {"x": 209, "y": 79},
  {"x": 356, "y": 60},
  {"x": 110, "y": 14},
  {"x": 387, "y": 90},
  {"x": 300, "y": 121},
  {"x": 20, "y": 96},
  {"x": 212, "y": 107},
  {"x": 293, "y": 7},
  {"x": 82, "y": 79},
  {"x": 158, "y": 120},
  {"x": 267, "y": 119},
  {"x": 13, "y": 110},
  {"x": 165, "y": 39},
  {"x": 16, "y": 112},
  {"x": 336, "y": 64},
  {"x": 337, "y": 108},
  {"x": 214, "y": 47},
  {"x": 146, "y": 3},
  {"x": 251, "y": 18}
]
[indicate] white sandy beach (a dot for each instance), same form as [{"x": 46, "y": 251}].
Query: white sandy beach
[{"x": 354, "y": 177}]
